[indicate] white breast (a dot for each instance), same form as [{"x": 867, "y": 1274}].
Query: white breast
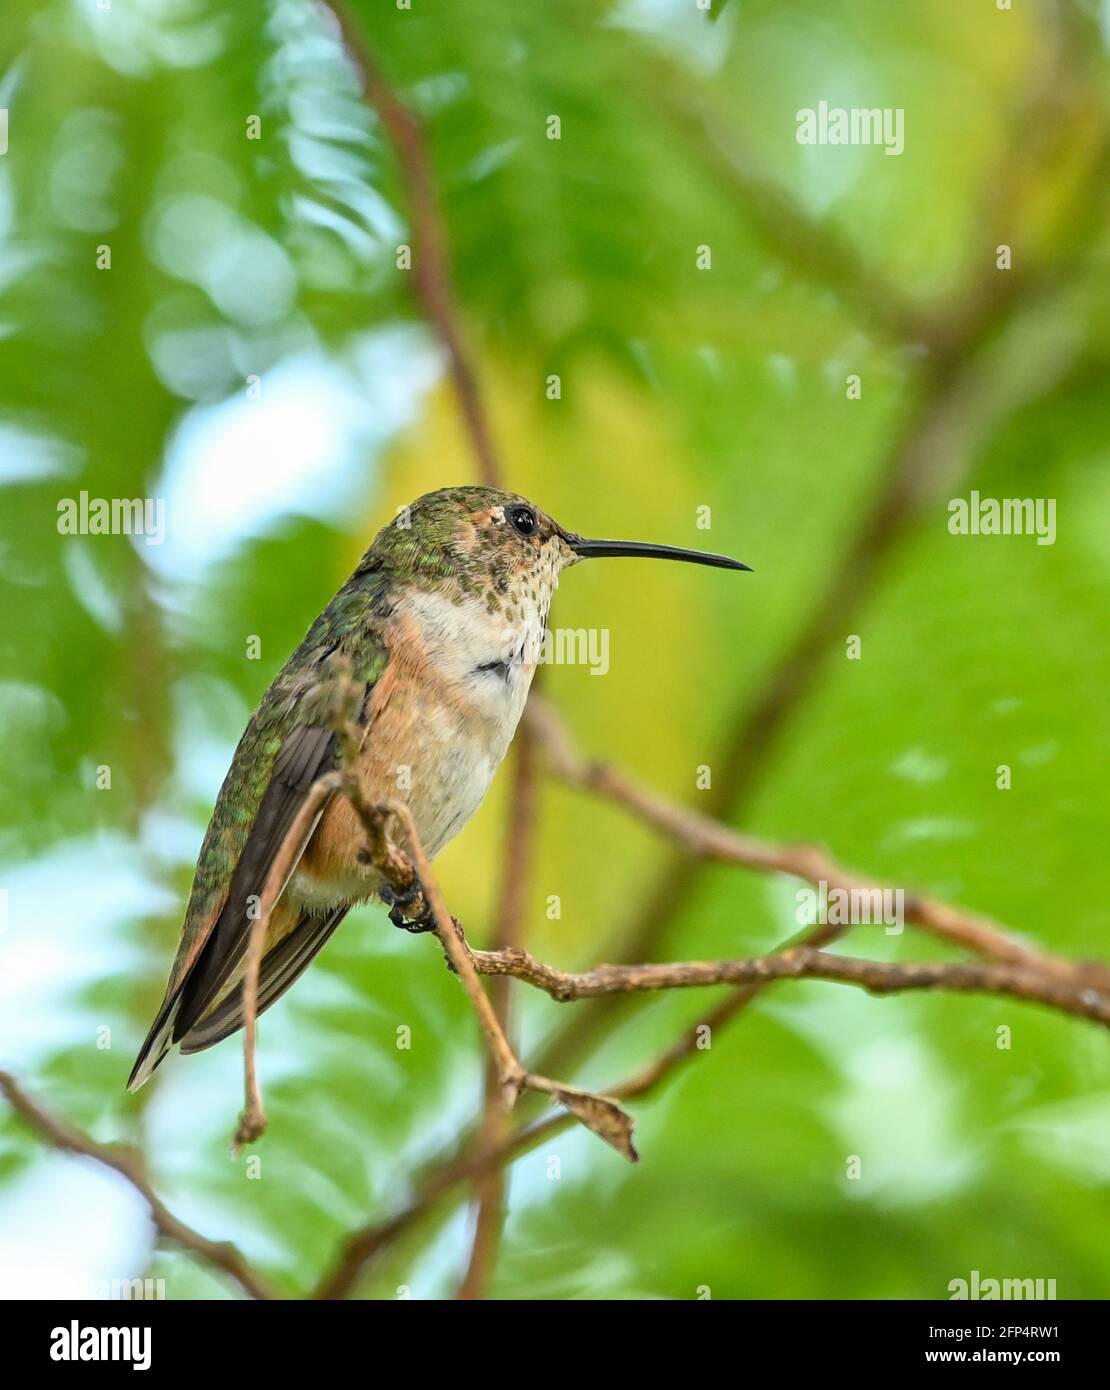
[{"x": 492, "y": 665}]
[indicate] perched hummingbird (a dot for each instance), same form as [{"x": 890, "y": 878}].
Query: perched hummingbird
[{"x": 441, "y": 626}]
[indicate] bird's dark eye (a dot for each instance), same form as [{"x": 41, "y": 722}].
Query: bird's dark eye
[{"x": 522, "y": 519}]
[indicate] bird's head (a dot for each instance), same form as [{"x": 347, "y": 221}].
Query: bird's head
[{"x": 496, "y": 545}]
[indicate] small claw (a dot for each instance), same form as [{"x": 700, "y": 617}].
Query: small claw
[
  {"x": 420, "y": 924},
  {"x": 397, "y": 901},
  {"x": 394, "y": 897}
]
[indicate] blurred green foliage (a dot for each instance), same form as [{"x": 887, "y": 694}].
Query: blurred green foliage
[{"x": 232, "y": 258}]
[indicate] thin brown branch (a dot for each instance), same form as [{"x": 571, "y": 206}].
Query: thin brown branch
[
  {"x": 63, "y": 1135},
  {"x": 712, "y": 841},
  {"x": 489, "y": 1214},
  {"x": 494, "y": 1127},
  {"x": 252, "y": 1122},
  {"x": 1077, "y": 995},
  {"x": 519, "y": 841},
  {"x": 597, "y": 1112},
  {"x": 511, "y": 1075},
  {"x": 430, "y": 260}
]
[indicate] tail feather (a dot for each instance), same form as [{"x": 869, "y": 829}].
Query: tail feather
[
  {"x": 280, "y": 968},
  {"x": 158, "y": 1045}
]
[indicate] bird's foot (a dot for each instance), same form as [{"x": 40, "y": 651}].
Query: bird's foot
[{"x": 398, "y": 901}]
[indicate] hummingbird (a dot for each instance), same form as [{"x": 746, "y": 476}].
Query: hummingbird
[{"x": 440, "y": 628}]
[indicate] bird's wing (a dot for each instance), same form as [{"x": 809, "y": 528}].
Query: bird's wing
[
  {"x": 280, "y": 968},
  {"x": 211, "y": 951},
  {"x": 306, "y": 756},
  {"x": 273, "y": 770}
]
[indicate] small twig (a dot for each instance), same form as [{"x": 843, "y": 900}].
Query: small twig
[
  {"x": 494, "y": 1126},
  {"x": 252, "y": 1122},
  {"x": 1078, "y": 996},
  {"x": 511, "y": 1074},
  {"x": 597, "y": 1112},
  {"x": 710, "y": 840},
  {"x": 63, "y": 1135}
]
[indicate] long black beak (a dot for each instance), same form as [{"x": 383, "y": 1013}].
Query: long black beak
[{"x": 590, "y": 550}]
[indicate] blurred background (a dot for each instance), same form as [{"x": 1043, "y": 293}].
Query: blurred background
[{"x": 704, "y": 288}]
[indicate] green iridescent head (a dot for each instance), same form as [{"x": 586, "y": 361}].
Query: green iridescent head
[{"x": 483, "y": 538}]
